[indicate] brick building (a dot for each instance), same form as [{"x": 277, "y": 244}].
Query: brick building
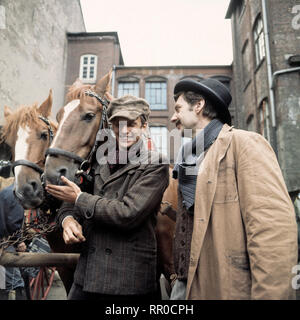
[
  {"x": 91, "y": 55},
  {"x": 266, "y": 48}
]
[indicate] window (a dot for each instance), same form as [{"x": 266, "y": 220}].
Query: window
[
  {"x": 88, "y": 68},
  {"x": 259, "y": 41},
  {"x": 156, "y": 94},
  {"x": 125, "y": 88},
  {"x": 159, "y": 136},
  {"x": 264, "y": 117}
]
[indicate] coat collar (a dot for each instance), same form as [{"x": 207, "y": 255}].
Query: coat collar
[
  {"x": 120, "y": 172},
  {"x": 208, "y": 171},
  {"x": 107, "y": 177}
]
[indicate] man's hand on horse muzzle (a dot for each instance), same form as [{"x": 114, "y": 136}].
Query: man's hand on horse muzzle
[{"x": 67, "y": 192}]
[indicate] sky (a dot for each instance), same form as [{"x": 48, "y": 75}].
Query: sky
[{"x": 164, "y": 32}]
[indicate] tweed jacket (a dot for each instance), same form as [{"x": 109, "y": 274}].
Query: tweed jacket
[
  {"x": 244, "y": 242},
  {"x": 119, "y": 256}
]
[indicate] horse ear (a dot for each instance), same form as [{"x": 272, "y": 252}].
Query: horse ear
[
  {"x": 46, "y": 106},
  {"x": 103, "y": 85},
  {"x": 59, "y": 115},
  {"x": 7, "y": 111},
  {"x": 108, "y": 96},
  {"x": 77, "y": 83}
]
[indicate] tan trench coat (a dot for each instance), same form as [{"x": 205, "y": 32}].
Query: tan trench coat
[{"x": 244, "y": 242}]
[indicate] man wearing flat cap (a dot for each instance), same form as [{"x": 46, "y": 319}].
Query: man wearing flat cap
[
  {"x": 236, "y": 234},
  {"x": 119, "y": 256}
]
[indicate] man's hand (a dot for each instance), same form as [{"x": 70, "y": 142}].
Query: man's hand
[
  {"x": 68, "y": 192},
  {"x": 72, "y": 231}
]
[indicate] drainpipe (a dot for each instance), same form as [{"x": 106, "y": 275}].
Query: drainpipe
[
  {"x": 279, "y": 72},
  {"x": 270, "y": 76},
  {"x": 113, "y": 80}
]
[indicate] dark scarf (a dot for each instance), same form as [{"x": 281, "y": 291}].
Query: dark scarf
[{"x": 190, "y": 157}]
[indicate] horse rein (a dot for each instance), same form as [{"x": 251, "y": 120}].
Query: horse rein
[
  {"x": 84, "y": 165},
  {"x": 30, "y": 164}
]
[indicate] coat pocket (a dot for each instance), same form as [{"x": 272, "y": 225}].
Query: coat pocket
[
  {"x": 240, "y": 276},
  {"x": 226, "y": 189}
]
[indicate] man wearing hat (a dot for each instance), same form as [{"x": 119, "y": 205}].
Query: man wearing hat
[
  {"x": 236, "y": 234},
  {"x": 116, "y": 225}
]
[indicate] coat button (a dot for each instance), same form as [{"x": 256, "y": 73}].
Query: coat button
[
  {"x": 182, "y": 242},
  {"x": 108, "y": 251},
  {"x": 182, "y": 228}
]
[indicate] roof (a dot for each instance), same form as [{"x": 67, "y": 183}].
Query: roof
[
  {"x": 176, "y": 67},
  {"x": 230, "y": 8},
  {"x": 93, "y": 34}
]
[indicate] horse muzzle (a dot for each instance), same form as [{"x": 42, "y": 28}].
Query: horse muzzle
[{"x": 30, "y": 194}]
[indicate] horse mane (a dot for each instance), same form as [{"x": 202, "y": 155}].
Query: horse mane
[
  {"x": 24, "y": 115},
  {"x": 76, "y": 91}
]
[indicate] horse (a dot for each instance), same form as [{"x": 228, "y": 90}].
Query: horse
[
  {"x": 78, "y": 123},
  {"x": 28, "y": 132}
]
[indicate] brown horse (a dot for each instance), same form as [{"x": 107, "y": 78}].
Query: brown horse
[
  {"x": 79, "y": 122},
  {"x": 27, "y": 131},
  {"x": 28, "y": 136}
]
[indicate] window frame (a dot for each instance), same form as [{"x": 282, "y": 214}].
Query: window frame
[
  {"x": 259, "y": 41},
  {"x": 135, "y": 91},
  {"x": 164, "y": 91},
  {"x": 161, "y": 148},
  {"x": 88, "y": 66}
]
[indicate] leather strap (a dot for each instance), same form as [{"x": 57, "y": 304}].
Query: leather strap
[
  {"x": 169, "y": 211},
  {"x": 27, "y": 164},
  {"x": 64, "y": 153}
]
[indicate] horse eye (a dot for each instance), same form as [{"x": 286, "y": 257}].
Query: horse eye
[
  {"x": 89, "y": 116},
  {"x": 44, "y": 135}
]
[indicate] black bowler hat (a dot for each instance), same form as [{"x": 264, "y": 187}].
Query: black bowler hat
[{"x": 213, "y": 90}]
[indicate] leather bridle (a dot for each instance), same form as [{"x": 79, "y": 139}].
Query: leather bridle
[
  {"x": 27, "y": 163},
  {"x": 84, "y": 164}
]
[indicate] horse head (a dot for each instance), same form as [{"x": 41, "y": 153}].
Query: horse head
[
  {"x": 28, "y": 133},
  {"x": 78, "y": 124}
]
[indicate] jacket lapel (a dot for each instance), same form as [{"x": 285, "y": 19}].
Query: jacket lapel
[
  {"x": 104, "y": 172},
  {"x": 118, "y": 173},
  {"x": 205, "y": 192}
]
